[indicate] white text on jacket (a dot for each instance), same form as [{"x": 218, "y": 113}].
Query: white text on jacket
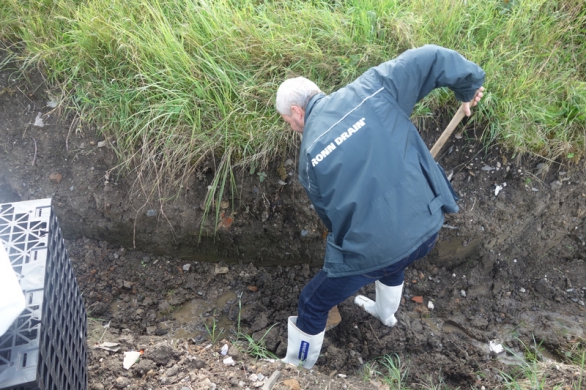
[{"x": 338, "y": 140}]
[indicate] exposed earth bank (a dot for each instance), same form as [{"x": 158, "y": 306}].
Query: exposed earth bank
[{"x": 508, "y": 268}]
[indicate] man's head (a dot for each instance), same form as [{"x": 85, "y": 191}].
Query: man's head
[{"x": 292, "y": 98}]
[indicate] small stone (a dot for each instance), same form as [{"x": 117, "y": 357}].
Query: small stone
[
  {"x": 495, "y": 347},
  {"x": 55, "y": 177},
  {"x": 463, "y": 293},
  {"x": 304, "y": 233},
  {"x": 233, "y": 351},
  {"x": 224, "y": 204},
  {"x": 497, "y": 190},
  {"x": 430, "y": 305},
  {"x": 225, "y": 223},
  {"x": 151, "y": 213},
  {"x": 121, "y": 382},
  {"x": 221, "y": 270},
  {"x": 555, "y": 185},
  {"x": 292, "y": 384},
  {"x": 101, "y": 144},
  {"x": 39, "y": 120},
  {"x": 422, "y": 310},
  {"x": 229, "y": 361},
  {"x": 172, "y": 371},
  {"x": 273, "y": 379},
  {"x": 186, "y": 267}
]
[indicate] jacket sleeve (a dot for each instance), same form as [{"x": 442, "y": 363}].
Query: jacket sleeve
[{"x": 415, "y": 73}]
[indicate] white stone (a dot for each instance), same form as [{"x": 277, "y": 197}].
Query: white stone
[
  {"x": 497, "y": 190},
  {"x": 130, "y": 358},
  {"x": 39, "y": 120},
  {"x": 495, "y": 347},
  {"x": 229, "y": 361}
]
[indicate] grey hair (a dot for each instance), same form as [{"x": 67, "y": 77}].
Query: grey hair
[{"x": 295, "y": 92}]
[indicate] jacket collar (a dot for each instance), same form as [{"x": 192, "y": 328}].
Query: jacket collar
[{"x": 311, "y": 104}]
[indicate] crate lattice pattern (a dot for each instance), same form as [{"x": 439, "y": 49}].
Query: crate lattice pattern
[{"x": 45, "y": 348}]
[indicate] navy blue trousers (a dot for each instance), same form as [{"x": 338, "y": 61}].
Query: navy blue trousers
[{"x": 322, "y": 292}]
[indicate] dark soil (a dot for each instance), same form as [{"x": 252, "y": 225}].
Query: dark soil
[{"x": 507, "y": 268}]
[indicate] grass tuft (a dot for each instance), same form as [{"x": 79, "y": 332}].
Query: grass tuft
[{"x": 175, "y": 84}]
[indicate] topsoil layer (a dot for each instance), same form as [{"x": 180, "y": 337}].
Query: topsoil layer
[{"x": 508, "y": 269}]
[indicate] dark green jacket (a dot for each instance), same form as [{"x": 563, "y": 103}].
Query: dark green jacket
[{"x": 365, "y": 167}]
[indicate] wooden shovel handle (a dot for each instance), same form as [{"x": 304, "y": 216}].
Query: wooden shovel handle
[{"x": 458, "y": 116}]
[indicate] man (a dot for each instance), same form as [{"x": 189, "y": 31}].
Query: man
[{"x": 372, "y": 182}]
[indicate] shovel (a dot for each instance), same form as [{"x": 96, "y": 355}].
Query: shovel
[{"x": 458, "y": 116}]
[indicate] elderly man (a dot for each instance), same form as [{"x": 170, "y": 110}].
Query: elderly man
[{"x": 372, "y": 182}]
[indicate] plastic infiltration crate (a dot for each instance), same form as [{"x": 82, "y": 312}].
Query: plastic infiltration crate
[{"x": 45, "y": 348}]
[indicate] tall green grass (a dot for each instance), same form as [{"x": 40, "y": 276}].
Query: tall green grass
[{"x": 173, "y": 83}]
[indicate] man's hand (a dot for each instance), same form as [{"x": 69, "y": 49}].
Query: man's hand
[{"x": 473, "y": 102}]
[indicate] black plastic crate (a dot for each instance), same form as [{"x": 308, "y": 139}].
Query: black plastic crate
[{"x": 45, "y": 348}]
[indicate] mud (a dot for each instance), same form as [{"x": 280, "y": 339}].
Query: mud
[{"x": 509, "y": 267}]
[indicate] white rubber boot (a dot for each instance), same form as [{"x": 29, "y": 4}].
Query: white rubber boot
[
  {"x": 388, "y": 299},
  {"x": 302, "y": 348}
]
